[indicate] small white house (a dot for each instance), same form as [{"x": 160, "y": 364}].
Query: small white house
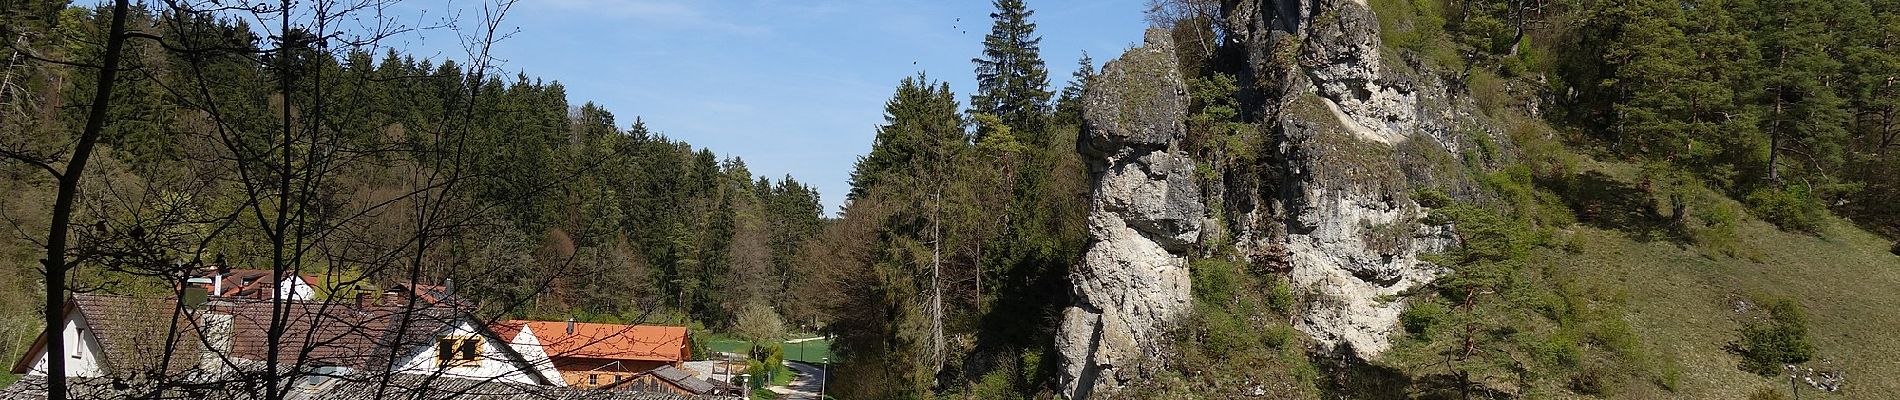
[
  {"x": 103, "y": 333},
  {"x": 86, "y": 357},
  {"x": 468, "y": 350}
]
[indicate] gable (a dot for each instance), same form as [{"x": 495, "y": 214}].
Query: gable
[
  {"x": 87, "y": 356},
  {"x": 496, "y": 359}
]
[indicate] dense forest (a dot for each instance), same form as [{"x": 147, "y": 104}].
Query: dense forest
[
  {"x": 544, "y": 208},
  {"x": 1623, "y": 161},
  {"x": 1787, "y": 108}
]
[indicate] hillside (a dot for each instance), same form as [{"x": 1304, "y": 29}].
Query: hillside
[
  {"x": 1272, "y": 199},
  {"x": 363, "y": 167},
  {"x": 1683, "y": 300}
]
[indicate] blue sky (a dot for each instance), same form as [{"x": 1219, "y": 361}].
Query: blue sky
[{"x": 791, "y": 86}]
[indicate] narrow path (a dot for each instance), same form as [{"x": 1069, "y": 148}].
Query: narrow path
[{"x": 805, "y": 385}]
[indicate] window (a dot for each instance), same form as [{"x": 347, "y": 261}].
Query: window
[
  {"x": 458, "y": 351},
  {"x": 593, "y": 380}
]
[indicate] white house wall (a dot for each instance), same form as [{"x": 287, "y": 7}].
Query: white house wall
[
  {"x": 494, "y": 365},
  {"x": 85, "y": 357},
  {"x": 529, "y": 346},
  {"x": 294, "y": 287}
]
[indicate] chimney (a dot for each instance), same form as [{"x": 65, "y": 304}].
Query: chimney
[
  {"x": 448, "y": 287},
  {"x": 570, "y": 325},
  {"x": 217, "y": 283},
  {"x": 362, "y": 299},
  {"x": 216, "y": 327}
]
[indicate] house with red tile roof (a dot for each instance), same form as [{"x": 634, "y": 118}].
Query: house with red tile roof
[
  {"x": 594, "y": 355},
  {"x": 120, "y": 336},
  {"x": 255, "y": 284}
]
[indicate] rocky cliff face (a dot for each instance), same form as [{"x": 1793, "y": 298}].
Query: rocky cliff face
[
  {"x": 1354, "y": 135},
  {"x": 1145, "y": 215}
]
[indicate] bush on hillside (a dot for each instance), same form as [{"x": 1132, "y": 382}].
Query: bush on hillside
[
  {"x": 1791, "y": 207},
  {"x": 1780, "y": 338},
  {"x": 1767, "y": 394},
  {"x": 1421, "y": 316}
]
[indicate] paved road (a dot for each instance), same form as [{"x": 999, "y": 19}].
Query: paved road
[{"x": 804, "y": 386}]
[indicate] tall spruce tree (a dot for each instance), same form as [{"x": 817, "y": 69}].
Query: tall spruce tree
[
  {"x": 1012, "y": 82},
  {"x": 1069, "y": 103}
]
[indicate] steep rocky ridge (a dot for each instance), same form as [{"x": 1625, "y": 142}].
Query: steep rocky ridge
[
  {"x": 1145, "y": 212},
  {"x": 1353, "y": 135}
]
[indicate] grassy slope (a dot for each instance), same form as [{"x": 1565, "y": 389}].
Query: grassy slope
[{"x": 1679, "y": 299}]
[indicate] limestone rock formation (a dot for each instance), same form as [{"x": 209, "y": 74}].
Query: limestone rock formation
[
  {"x": 1351, "y": 129},
  {"x": 1145, "y": 216}
]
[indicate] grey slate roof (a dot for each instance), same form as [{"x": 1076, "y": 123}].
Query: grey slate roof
[
  {"x": 683, "y": 379},
  {"x": 421, "y": 387}
]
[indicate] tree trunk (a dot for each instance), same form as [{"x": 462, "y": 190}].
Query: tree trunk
[
  {"x": 936, "y": 281},
  {"x": 1774, "y": 132},
  {"x": 55, "y": 262}
]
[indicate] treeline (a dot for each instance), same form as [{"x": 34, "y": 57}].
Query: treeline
[
  {"x": 531, "y": 205},
  {"x": 1790, "y": 106},
  {"x": 948, "y": 268}
]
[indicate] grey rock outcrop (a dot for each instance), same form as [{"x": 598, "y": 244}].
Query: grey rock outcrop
[
  {"x": 1145, "y": 216},
  {"x": 1355, "y": 134}
]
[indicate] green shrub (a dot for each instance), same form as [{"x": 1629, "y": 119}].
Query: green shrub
[
  {"x": 1488, "y": 90},
  {"x": 1420, "y": 316},
  {"x": 1717, "y": 229},
  {"x": 1553, "y": 350},
  {"x": 1767, "y": 394},
  {"x": 1780, "y": 338},
  {"x": 1791, "y": 207},
  {"x": 1280, "y": 297},
  {"x": 996, "y": 384},
  {"x": 1431, "y": 198}
]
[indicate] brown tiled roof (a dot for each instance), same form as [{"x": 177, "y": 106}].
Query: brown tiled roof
[
  {"x": 423, "y": 387},
  {"x": 247, "y": 283},
  {"x": 133, "y": 332},
  {"x": 432, "y": 294},
  {"x": 360, "y": 386},
  {"x": 604, "y": 341},
  {"x": 339, "y": 334}
]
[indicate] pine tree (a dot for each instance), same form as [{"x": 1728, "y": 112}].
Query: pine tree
[
  {"x": 1012, "y": 82},
  {"x": 1069, "y": 103},
  {"x": 1802, "y": 114}
]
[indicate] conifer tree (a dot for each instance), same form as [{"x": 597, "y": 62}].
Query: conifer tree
[
  {"x": 1012, "y": 82},
  {"x": 1802, "y": 114},
  {"x": 1069, "y": 103}
]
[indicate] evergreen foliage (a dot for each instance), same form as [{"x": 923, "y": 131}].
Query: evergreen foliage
[
  {"x": 1012, "y": 82},
  {"x": 1777, "y": 339},
  {"x": 571, "y": 213}
]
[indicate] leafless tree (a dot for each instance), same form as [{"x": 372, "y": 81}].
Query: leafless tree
[{"x": 287, "y": 172}]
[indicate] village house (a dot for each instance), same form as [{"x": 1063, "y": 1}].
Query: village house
[
  {"x": 594, "y": 355},
  {"x": 119, "y": 339},
  {"x": 255, "y": 284},
  {"x": 120, "y": 336}
]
